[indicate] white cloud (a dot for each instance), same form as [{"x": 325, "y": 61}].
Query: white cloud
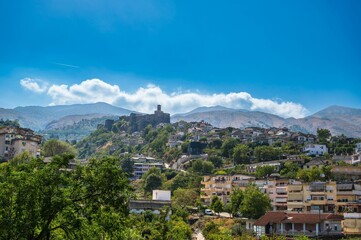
[
  {"x": 34, "y": 85},
  {"x": 146, "y": 98},
  {"x": 88, "y": 91}
]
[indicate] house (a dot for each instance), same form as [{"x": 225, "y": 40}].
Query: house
[
  {"x": 16, "y": 140},
  {"x": 291, "y": 224},
  {"x": 315, "y": 149}
]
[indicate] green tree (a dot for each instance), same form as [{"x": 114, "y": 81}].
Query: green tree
[
  {"x": 202, "y": 167},
  {"x": 266, "y": 153},
  {"x": 56, "y": 147},
  {"x": 42, "y": 201},
  {"x": 228, "y": 146},
  {"x": 183, "y": 198},
  {"x": 216, "y": 204},
  {"x": 152, "y": 182},
  {"x": 264, "y": 171},
  {"x": 290, "y": 169},
  {"x": 216, "y": 143},
  {"x": 255, "y": 203},
  {"x": 216, "y": 161},
  {"x": 236, "y": 200},
  {"x": 323, "y": 135},
  {"x": 241, "y": 154},
  {"x": 127, "y": 165},
  {"x": 179, "y": 230}
]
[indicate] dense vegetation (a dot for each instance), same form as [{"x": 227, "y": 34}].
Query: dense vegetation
[{"x": 46, "y": 201}]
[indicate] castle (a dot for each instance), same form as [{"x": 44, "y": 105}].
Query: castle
[{"x": 138, "y": 122}]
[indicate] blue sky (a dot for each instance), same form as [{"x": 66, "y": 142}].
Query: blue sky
[{"x": 291, "y": 58}]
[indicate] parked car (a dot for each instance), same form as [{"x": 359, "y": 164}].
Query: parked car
[{"x": 208, "y": 212}]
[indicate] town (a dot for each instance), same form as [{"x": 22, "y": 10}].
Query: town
[{"x": 311, "y": 183}]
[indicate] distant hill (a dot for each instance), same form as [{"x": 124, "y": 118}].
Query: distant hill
[
  {"x": 339, "y": 120},
  {"x": 85, "y": 117},
  {"x": 39, "y": 118}
]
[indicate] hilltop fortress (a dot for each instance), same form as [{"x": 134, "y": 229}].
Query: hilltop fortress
[{"x": 138, "y": 122}]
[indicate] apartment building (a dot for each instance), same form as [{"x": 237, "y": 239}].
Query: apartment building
[
  {"x": 142, "y": 164},
  {"x": 15, "y": 140},
  {"x": 222, "y": 186},
  {"x": 320, "y": 197}
]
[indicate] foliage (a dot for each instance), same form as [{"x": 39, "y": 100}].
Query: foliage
[
  {"x": 216, "y": 204},
  {"x": 56, "y": 147},
  {"x": 183, "y": 198},
  {"x": 185, "y": 180},
  {"x": 254, "y": 203},
  {"x": 266, "y": 153},
  {"x": 323, "y": 135},
  {"x": 10, "y": 123},
  {"x": 152, "y": 182},
  {"x": 228, "y": 146},
  {"x": 264, "y": 171},
  {"x": 127, "y": 165},
  {"x": 202, "y": 167},
  {"x": 290, "y": 170},
  {"x": 310, "y": 175},
  {"x": 236, "y": 200},
  {"x": 42, "y": 201},
  {"x": 179, "y": 230},
  {"x": 216, "y": 161},
  {"x": 241, "y": 154}
]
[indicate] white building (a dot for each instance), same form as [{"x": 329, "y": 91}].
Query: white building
[
  {"x": 163, "y": 195},
  {"x": 315, "y": 149}
]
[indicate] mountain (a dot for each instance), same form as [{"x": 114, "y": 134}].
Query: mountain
[
  {"x": 84, "y": 118},
  {"x": 231, "y": 118},
  {"x": 339, "y": 120},
  {"x": 39, "y": 118},
  {"x": 208, "y": 109}
]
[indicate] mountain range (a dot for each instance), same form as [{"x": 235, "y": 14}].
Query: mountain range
[{"x": 339, "y": 120}]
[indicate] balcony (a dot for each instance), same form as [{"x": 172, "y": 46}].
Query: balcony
[
  {"x": 280, "y": 200},
  {"x": 352, "y": 215},
  {"x": 281, "y": 190},
  {"x": 318, "y": 202}
]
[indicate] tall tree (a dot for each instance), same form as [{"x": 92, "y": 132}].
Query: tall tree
[
  {"x": 255, "y": 203},
  {"x": 216, "y": 204},
  {"x": 241, "y": 154},
  {"x": 54, "y": 147},
  {"x": 184, "y": 197},
  {"x": 236, "y": 200}
]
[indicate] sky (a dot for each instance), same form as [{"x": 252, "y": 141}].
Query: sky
[{"x": 290, "y": 58}]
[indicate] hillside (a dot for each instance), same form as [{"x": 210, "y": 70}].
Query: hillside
[
  {"x": 339, "y": 120},
  {"x": 38, "y": 118}
]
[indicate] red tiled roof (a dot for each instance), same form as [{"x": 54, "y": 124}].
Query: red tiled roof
[{"x": 288, "y": 217}]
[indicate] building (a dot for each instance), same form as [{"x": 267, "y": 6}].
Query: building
[
  {"x": 315, "y": 149},
  {"x": 222, "y": 186},
  {"x": 295, "y": 224},
  {"x": 142, "y": 164},
  {"x": 15, "y": 140},
  {"x": 137, "y": 122}
]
